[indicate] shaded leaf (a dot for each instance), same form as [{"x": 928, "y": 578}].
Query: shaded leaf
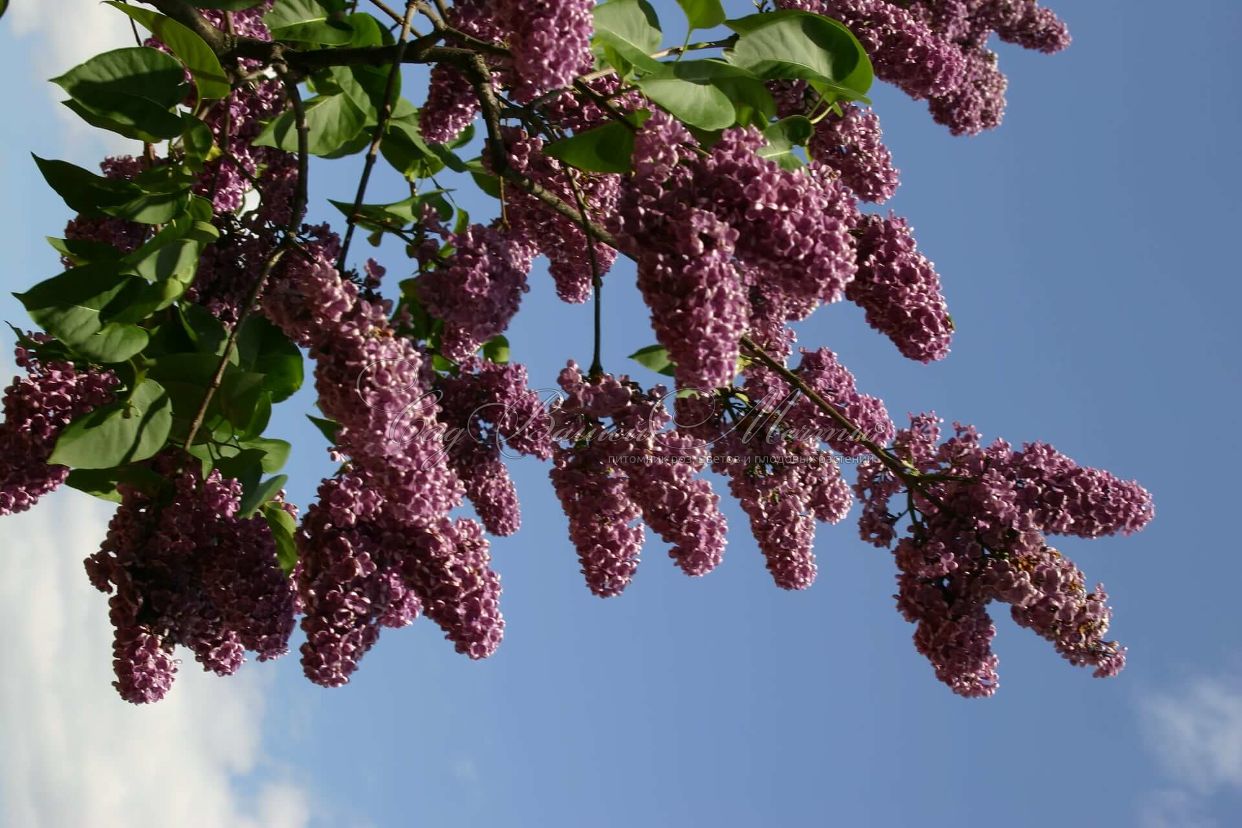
[{"x": 123, "y": 432}]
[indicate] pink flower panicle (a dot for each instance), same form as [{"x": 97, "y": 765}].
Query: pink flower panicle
[
  {"x": 853, "y": 145},
  {"x": 37, "y": 408},
  {"x": 477, "y": 290},
  {"x": 900, "y": 290},
  {"x": 980, "y": 538},
  {"x": 192, "y": 572},
  {"x": 483, "y": 406},
  {"x": 609, "y": 476},
  {"x": 571, "y": 261}
]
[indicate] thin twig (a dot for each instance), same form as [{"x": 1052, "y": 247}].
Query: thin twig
[
  {"x": 286, "y": 243},
  {"x": 385, "y": 113}
]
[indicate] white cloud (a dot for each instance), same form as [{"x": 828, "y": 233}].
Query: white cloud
[
  {"x": 1195, "y": 734},
  {"x": 64, "y": 34},
  {"x": 74, "y": 753}
]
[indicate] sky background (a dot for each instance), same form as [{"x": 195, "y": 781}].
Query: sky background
[{"x": 1089, "y": 251}]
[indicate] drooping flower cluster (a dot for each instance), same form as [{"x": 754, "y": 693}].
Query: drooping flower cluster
[
  {"x": 773, "y": 444},
  {"x": 852, "y": 144},
  {"x": 548, "y": 43},
  {"x": 238, "y": 119},
  {"x": 37, "y": 407},
  {"x": 704, "y": 229},
  {"x": 937, "y": 49},
  {"x": 483, "y": 405},
  {"x": 978, "y": 535},
  {"x": 378, "y": 545},
  {"x": 900, "y": 290},
  {"x": 189, "y": 570},
  {"x": 573, "y": 261},
  {"x": 607, "y": 477},
  {"x": 478, "y": 289}
]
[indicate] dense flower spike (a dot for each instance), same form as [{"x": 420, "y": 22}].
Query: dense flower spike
[
  {"x": 985, "y": 511},
  {"x": 192, "y": 572},
  {"x": 572, "y": 262},
  {"x": 900, "y": 290},
  {"x": 37, "y": 408},
  {"x": 477, "y": 290},
  {"x": 451, "y": 105},
  {"x": 852, "y": 144},
  {"x": 607, "y": 476},
  {"x": 550, "y": 41},
  {"x": 936, "y": 49},
  {"x": 701, "y": 225},
  {"x": 346, "y": 579},
  {"x": 480, "y": 409},
  {"x": 449, "y": 569}
]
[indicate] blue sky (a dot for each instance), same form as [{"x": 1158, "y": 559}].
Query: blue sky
[{"x": 1090, "y": 256}]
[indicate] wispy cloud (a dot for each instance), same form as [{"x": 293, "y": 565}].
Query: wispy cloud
[
  {"x": 74, "y": 753},
  {"x": 1195, "y": 734}
]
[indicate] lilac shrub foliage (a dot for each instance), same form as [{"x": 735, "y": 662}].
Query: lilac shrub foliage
[{"x": 742, "y": 182}]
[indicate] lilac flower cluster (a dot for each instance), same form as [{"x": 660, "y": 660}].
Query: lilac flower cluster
[
  {"x": 37, "y": 407},
  {"x": 549, "y": 44},
  {"x": 189, "y": 571},
  {"x": 767, "y": 439},
  {"x": 900, "y": 290},
  {"x": 550, "y": 41},
  {"x": 238, "y": 119},
  {"x": 704, "y": 229},
  {"x": 483, "y": 405},
  {"x": 852, "y": 144},
  {"x": 572, "y": 260},
  {"x": 980, "y": 517},
  {"x": 478, "y": 289},
  {"x": 378, "y": 547},
  {"x": 937, "y": 49},
  {"x": 608, "y": 477}
]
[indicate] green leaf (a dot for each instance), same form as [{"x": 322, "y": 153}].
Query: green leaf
[
  {"x": 497, "y": 350},
  {"x": 68, "y": 306},
  {"x": 203, "y": 329},
  {"x": 275, "y": 452},
  {"x": 4, "y": 6},
  {"x": 81, "y": 189},
  {"x": 790, "y": 44},
  {"x": 310, "y": 21},
  {"x": 102, "y": 483},
  {"x": 328, "y": 428},
  {"x": 261, "y": 494},
  {"x": 405, "y": 149},
  {"x": 703, "y": 14},
  {"x": 284, "y": 530},
  {"x": 783, "y": 136},
  {"x": 130, "y": 91},
  {"x": 84, "y": 251},
  {"x": 192, "y": 50},
  {"x": 606, "y": 148},
  {"x": 654, "y": 357},
  {"x": 262, "y": 348},
  {"x": 332, "y": 121},
  {"x": 689, "y": 94},
  {"x": 631, "y": 29},
  {"x": 123, "y": 432}
]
